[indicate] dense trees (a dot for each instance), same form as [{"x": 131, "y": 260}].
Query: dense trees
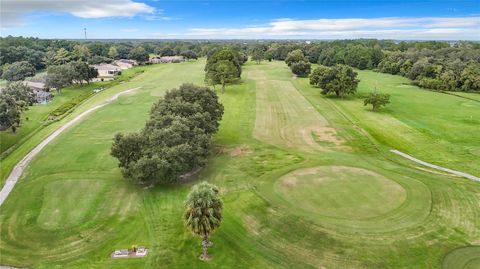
[
  {"x": 82, "y": 72},
  {"x": 377, "y": 100},
  {"x": 18, "y": 71},
  {"x": 295, "y": 57},
  {"x": 189, "y": 54},
  {"x": 14, "y": 99},
  {"x": 62, "y": 56},
  {"x": 222, "y": 67},
  {"x": 59, "y": 76},
  {"x": 203, "y": 213},
  {"x": 222, "y": 72},
  {"x": 438, "y": 67},
  {"x": 435, "y": 65},
  {"x": 139, "y": 54},
  {"x": 298, "y": 63},
  {"x": 470, "y": 77},
  {"x": 21, "y": 92},
  {"x": 301, "y": 69},
  {"x": 339, "y": 79},
  {"x": 175, "y": 140},
  {"x": 81, "y": 52},
  {"x": 258, "y": 53},
  {"x": 9, "y": 112}
]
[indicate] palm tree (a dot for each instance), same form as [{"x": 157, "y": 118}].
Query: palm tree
[{"x": 203, "y": 213}]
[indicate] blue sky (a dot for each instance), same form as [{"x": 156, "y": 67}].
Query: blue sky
[{"x": 407, "y": 19}]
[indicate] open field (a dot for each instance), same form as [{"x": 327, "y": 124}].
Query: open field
[{"x": 307, "y": 182}]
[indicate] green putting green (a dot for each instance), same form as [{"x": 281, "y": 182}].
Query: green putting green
[
  {"x": 463, "y": 258},
  {"x": 341, "y": 192}
]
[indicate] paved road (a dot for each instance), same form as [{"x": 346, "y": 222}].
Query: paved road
[
  {"x": 18, "y": 169},
  {"x": 458, "y": 173}
]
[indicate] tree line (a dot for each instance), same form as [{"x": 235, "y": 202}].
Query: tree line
[{"x": 432, "y": 64}]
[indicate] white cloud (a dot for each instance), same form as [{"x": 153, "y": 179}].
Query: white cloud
[
  {"x": 387, "y": 28},
  {"x": 158, "y": 18},
  {"x": 13, "y": 11}
]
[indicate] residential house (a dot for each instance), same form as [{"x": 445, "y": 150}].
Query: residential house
[
  {"x": 166, "y": 59},
  {"x": 107, "y": 70},
  {"x": 125, "y": 63},
  {"x": 41, "y": 92}
]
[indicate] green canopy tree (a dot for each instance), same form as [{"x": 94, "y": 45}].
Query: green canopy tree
[
  {"x": 18, "y": 71},
  {"x": 258, "y": 53},
  {"x": 301, "y": 69},
  {"x": 295, "y": 57},
  {"x": 222, "y": 72},
  {"x": 81, "y": 52},
  {"x": 203, "y": 213},
  {"x": 339, "y": 79},
  {"x": 189, "y": 54},
  {"x": 113, "y": 52},
  {"x": 470, "y": 77},
  {"x": 175, "y": 140},
  {"x": 10, "y": 112},
  {"x": 20, "y": 92},
  {"x": 139, "y": 54},
  {"x": 62, "y": 56},
  {"x": 377, "y": 100},
  {"x": 49, "y": 58},
  {"x": 225, "y": 54},
  {"x": 83, "y": 72},
  {"x": 59, "y": 76}
]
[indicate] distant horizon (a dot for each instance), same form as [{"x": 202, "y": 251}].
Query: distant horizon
[
  {"x": 223, "y": 20},
  {"x": 247, "y": 39}
]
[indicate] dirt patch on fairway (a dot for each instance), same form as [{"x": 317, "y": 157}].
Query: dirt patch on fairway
[
  {"x": 253, "y": 225},
  {"x": 329, "y": 135},
  {"x": 289, "y": 181},
  {"x": 236, "y": 151}
]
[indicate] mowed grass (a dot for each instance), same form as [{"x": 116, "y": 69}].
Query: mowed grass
[
  {"x": 351, "y": 192},
  {"x": 36, "y": 116},
  {"x": 435, "y": 127},
  {"x": 463, "y": 258},
  {"x": 355, "y": 209},
  {"x": 32, "y": 131}
]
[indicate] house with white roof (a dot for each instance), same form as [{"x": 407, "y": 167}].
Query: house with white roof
[
  {"x": 107, "y": 70},
  {"x": 125, "y": 63}
]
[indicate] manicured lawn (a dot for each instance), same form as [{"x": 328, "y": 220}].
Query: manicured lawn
[
  {"x": 36, "y": 117},
  {"x": 438, "y": 128},
  {"x": 307, "y": 182},
  {"x": 37, "y": 127}
]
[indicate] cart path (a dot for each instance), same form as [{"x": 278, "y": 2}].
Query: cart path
[
  {"x": 21, "y": 165},
  {"x": 458, "y": 173}
]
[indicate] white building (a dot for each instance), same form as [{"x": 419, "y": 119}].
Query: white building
[
  {"x": 166, "y": 59},
  {"x": 125, "y": 63},
  {"x": 107, "y": 70}
]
